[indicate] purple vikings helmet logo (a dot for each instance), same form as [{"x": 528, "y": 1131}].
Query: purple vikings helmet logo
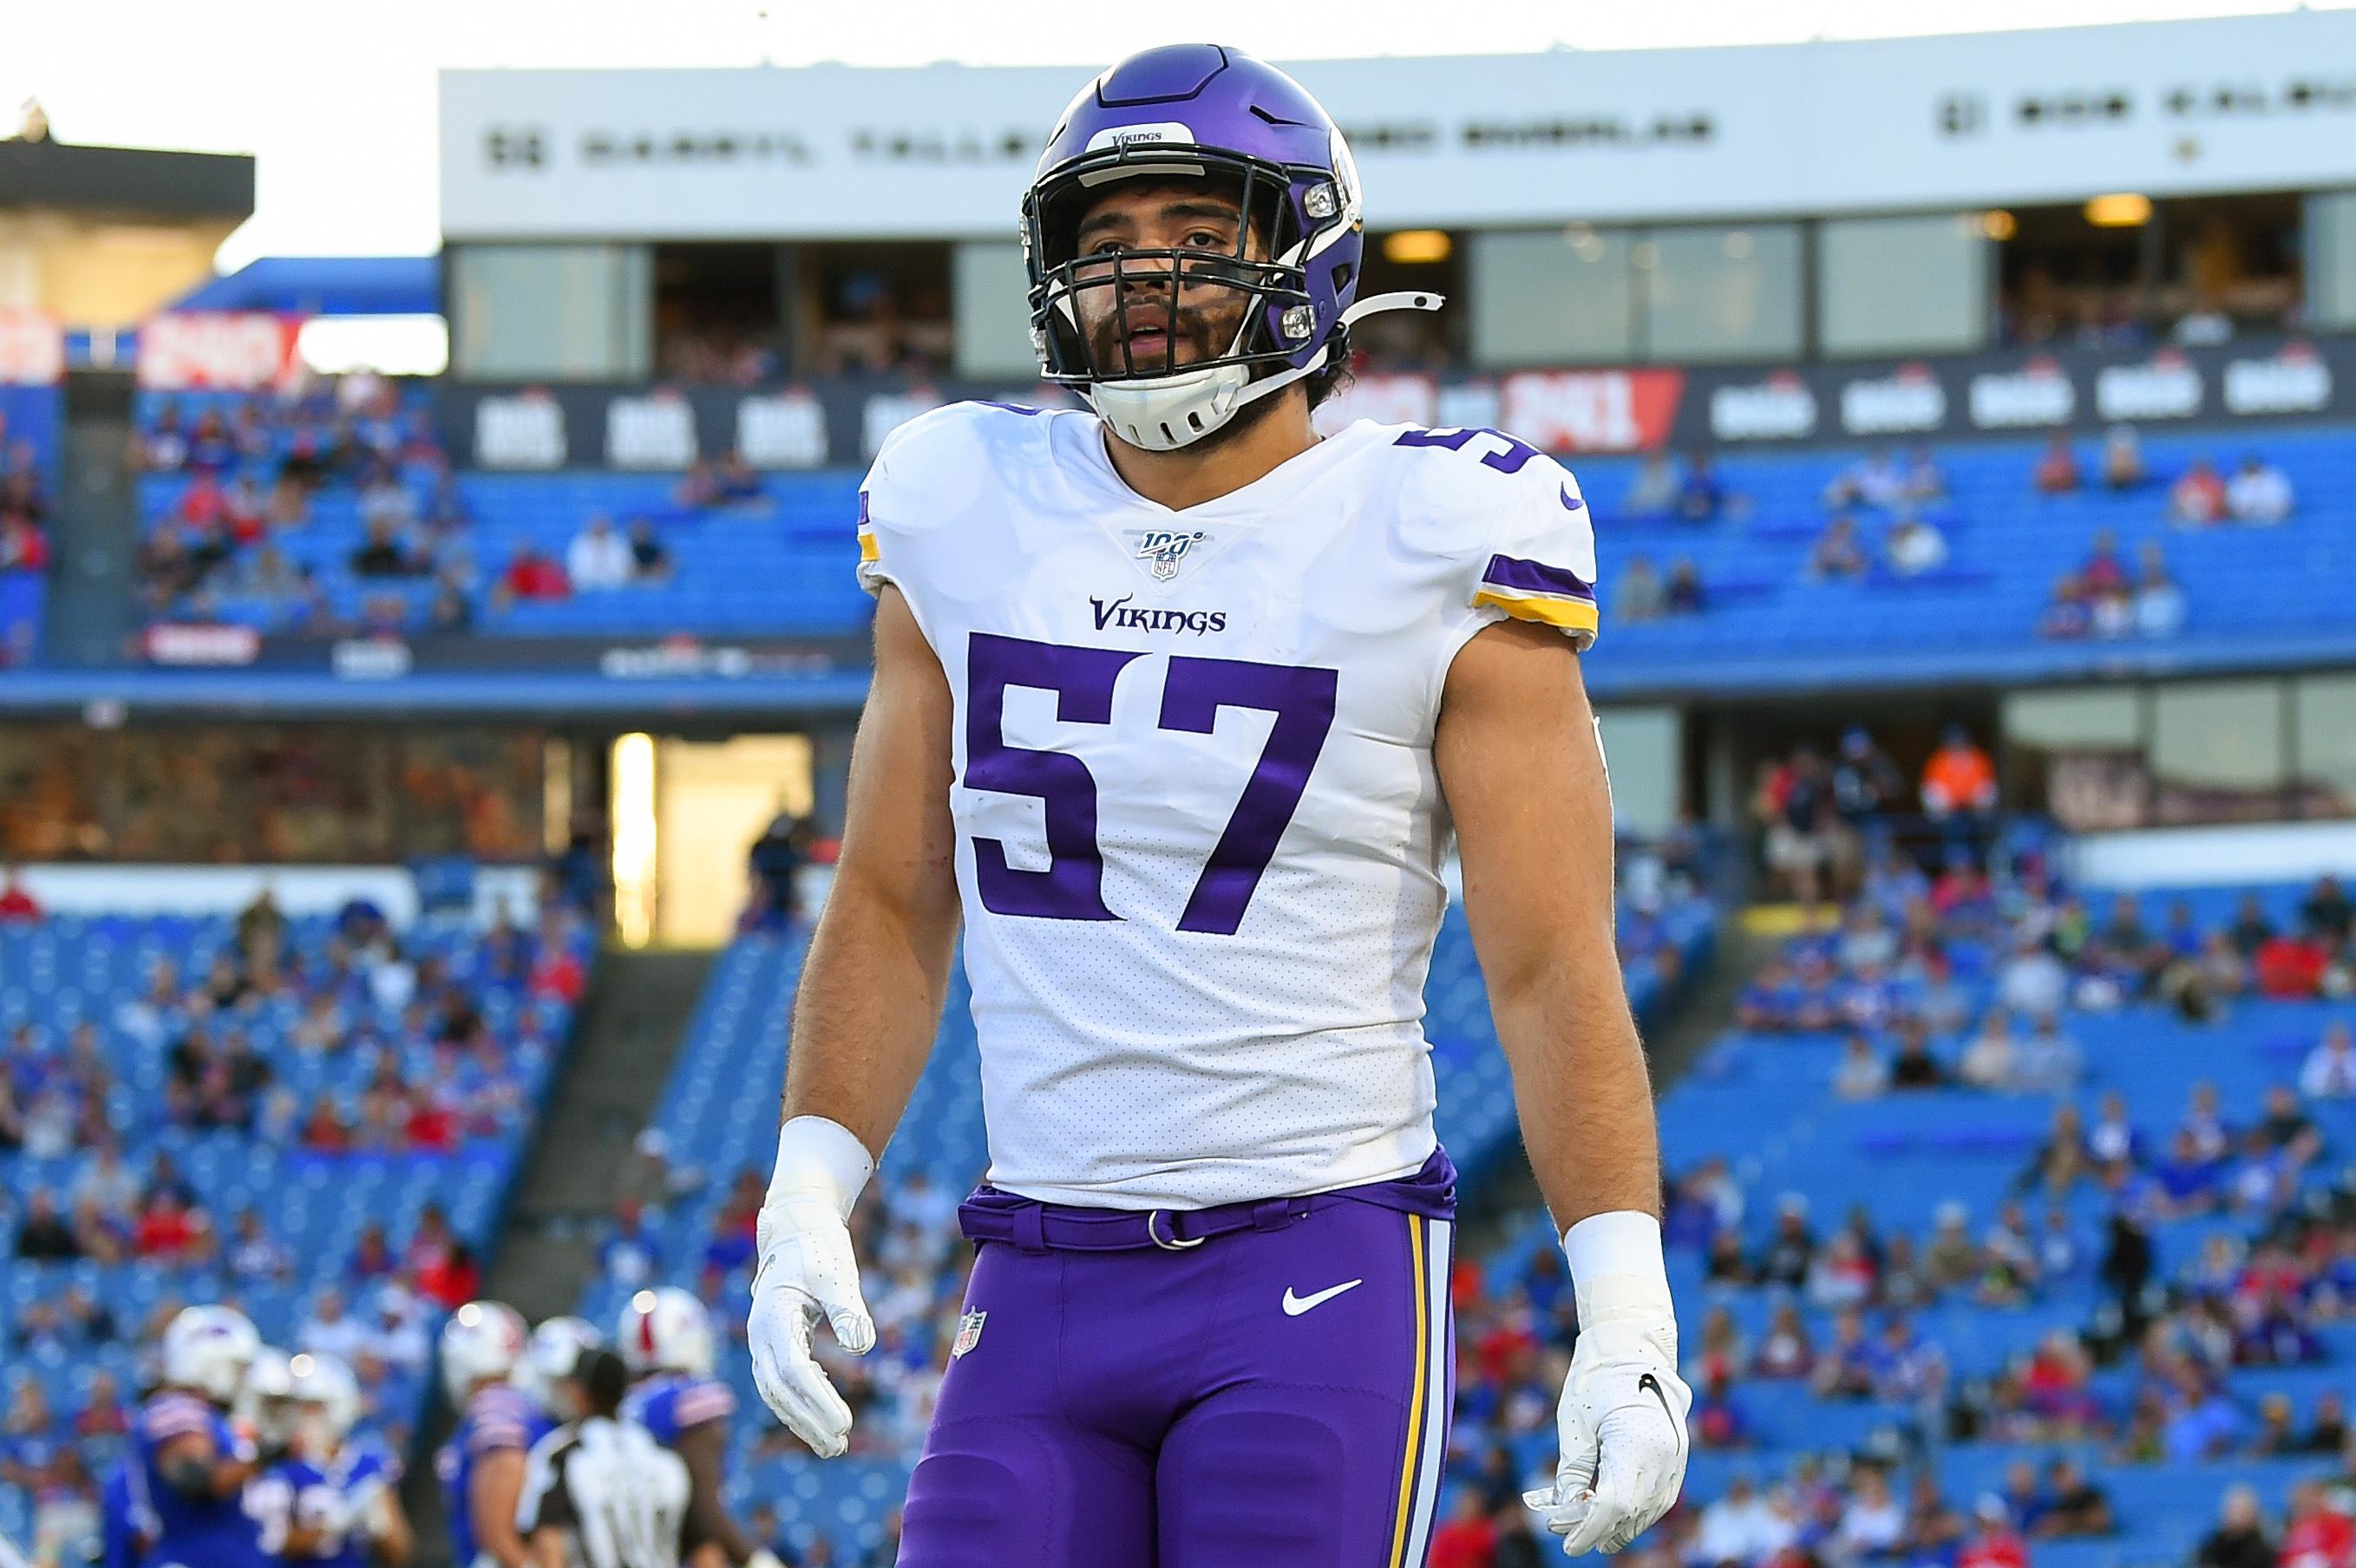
[{"x": 1251, "y": 134}]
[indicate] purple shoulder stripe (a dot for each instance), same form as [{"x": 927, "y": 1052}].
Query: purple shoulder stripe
[{"x": 1517, "y": 576}]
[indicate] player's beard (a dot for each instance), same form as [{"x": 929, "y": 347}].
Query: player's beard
[{"x": 1194, "y": 328}]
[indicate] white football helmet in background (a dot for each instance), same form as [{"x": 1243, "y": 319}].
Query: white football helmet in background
[
  {"x": 207, "y": 1348},
  {"x": 265, "y": 1399},
  {"x": 548, "y": 1360},
  {"x": 665, "y": 1331},
  {"x": 482, "y": 1341},
  {"x": 326, "y": 1401}
]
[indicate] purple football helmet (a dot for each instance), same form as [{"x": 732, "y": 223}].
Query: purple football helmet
[{"x": 1198, "y": 112}]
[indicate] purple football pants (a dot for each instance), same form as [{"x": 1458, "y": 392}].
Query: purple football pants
[{"x": 1275, "y": 1397}]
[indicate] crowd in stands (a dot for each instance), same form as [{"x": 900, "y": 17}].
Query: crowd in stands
[
  {"x": 2105, "y": 598},
  {"x": 1886, "y": 521},
  {"x": 2163, "y": 1353},
  {"x": 255, "y": 467},
  {"x": 121, "y": 1129}
]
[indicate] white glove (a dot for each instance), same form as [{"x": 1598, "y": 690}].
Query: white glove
[
  {"x": 1621, "y": 1424},
  {"x": 807, "y": 1271},
  {"x": 763, "y": 1558}
]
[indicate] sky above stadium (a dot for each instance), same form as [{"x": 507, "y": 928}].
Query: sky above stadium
[{"x": 338, "y": 99}]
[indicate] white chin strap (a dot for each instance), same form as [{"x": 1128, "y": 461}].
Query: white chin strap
[{"x": 1162, "y": 413}]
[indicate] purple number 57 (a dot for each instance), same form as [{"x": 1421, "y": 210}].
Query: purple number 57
[{"x": 1072, "y": 887}]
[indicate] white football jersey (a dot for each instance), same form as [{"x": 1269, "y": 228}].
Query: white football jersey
[{"x": 1199, "y": 830}]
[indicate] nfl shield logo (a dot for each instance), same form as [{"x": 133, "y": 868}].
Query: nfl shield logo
[
  {"x": 1166, "y": 549},
  {"x": 968, "y": 1333}
]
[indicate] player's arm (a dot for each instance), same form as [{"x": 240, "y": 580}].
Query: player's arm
[
  {"x": 878, "y": 972},
  {"x": 702, "y": 1447},
  {"x": 1522, "y": 766},
  {"x": 498, "y": 1485},
  {"x": 864, "y": 1022},
  {"x": 387, "y": 1523},
  {"x": 191, "y": 1467}
]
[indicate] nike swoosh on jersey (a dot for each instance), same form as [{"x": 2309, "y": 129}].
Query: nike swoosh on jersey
[
  {"x": 1294, "y": 1305},
  {"x": 1570, "y": 503}
]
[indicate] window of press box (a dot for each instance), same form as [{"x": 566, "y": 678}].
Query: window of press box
[
  {"x": 717, "y": 321},
  {"x": 1549, "y": 296},
  {"x": 1581, "y": 294},
  {"x": 1721, "y": 293},
  {"x": 2330, "y": 258},
  {"x": 550, "y": 313},
  {"x": 871, "y": 307},
  {"x": 2122, "y": 269},
  {"x": 1915, "y": 284},
  {"x": 2323, "y": 727}
]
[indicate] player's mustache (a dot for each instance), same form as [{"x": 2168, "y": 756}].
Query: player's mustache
[{"x": 1186, "y": 325}]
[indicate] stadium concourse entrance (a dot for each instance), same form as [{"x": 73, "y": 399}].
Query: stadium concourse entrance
[
  {"x": 707, "y": 835},
  {"x": 1732, "y": 748}
]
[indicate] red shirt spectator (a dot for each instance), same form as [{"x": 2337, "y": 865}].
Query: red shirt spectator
[
  {"x": 18, "y": 907},
  {"x": 325, "y": 1132},
  {"x": 434, "y": 1129},
  {"x": 557, "y": 974},
  {"x": 532, "y": 575},
  {"x": 23, "y": 546},
  {"x": 165, "y": 1229},
  {"x": 2290, "y": 966},
  {"x": 1995, "y": 1547},
  {"x": 452, "y": 1279},
  {"x": 101, "y": 1420},
  {"x": 204, "y": 503},
  {"x": 2057, "y": 470},
  {"x": 2319, "y": 1536},
  {"x": 1468, "y": 1539},
  {"x": 2200, "y": 497},
  {"x": 1465, "y": 1283},
  {"x": 2104, "y": 572},
  {"x": 1505, "y": 1346}
]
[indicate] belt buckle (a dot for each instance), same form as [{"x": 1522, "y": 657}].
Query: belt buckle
[{"x": 1176, "y": 1243}]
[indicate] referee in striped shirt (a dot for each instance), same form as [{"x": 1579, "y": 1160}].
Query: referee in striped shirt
[{"x": 599, "y": 1491}]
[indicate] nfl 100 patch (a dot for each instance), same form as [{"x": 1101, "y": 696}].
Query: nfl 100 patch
[{"x": 1165, "y": 549}]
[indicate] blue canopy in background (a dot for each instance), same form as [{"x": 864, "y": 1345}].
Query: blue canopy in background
[{"x": 326, "y": 285}]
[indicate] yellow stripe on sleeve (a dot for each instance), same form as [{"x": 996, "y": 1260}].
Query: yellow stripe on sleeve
[
  {"x": 867, "y": 550},
  {"x": 1569, "y": 615}
]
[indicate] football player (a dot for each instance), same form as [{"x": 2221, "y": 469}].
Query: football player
[
  {"x": 665, "y": 1338},
  {"x": 264, "y": 1410},
  {"x": 331, "y": 1499},
  {"x": 482, "y": 1466},
  {"x": 548, "y": 1360},
  {"x": 185, "y": 1478},
  {"x": 1177, "y": 705}
]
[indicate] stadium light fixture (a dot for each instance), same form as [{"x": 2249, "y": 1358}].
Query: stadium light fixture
[
  {"x": 1417, "y": 247},
  {"x": 2122, "y": 209},
  {"x": 1999, "y": 225}
]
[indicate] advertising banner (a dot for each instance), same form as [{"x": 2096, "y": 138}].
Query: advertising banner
[
  {"x": 839, "y": 423},
  {"x": 241, "y": 351}
]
